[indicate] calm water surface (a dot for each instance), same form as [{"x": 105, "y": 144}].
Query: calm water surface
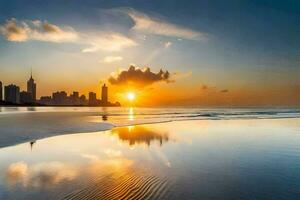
[{"x": 198, "y": 159}]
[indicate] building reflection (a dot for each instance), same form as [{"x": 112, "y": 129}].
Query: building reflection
[
  {"x": 32, "y": 143},
  {"x": 105, "y": 114},
  {"x": 31, "y": 109},
  {"x": 134, "y": 135},
  {"x": 104, "y": 117}
]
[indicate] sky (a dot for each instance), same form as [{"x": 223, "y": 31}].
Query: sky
[{"x": 169, "y": 53}]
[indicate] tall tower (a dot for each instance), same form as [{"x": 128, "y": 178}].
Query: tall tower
[
  {"x": 104, "y": 94},
  {"x": 12, "y": 93},
  {"x": 1, "y": 91},
  {"x": 31, "y": 88}
]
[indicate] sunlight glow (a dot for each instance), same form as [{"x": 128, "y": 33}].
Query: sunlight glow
[{"x": 130, "y": 96}]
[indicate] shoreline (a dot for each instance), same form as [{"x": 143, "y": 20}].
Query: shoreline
[{"x": 112, "y": 126}]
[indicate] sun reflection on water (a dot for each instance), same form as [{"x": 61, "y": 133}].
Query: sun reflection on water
[{"x": 131, "y": 114}]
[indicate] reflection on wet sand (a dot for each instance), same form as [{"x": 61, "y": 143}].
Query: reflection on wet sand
[
  {"x": 106, "y": 174},
  {"x": 40, "y": 175},
  {"x": 117, "y": 178},
  {"x": 113, "y": 178},
  {"x": 32, "y": 143},
  {"x": 207, "y": 160},
  {"x": 104, "y": 117},
  {"x": 140, "y": 135},
  {"x": 124, "y": 185}
]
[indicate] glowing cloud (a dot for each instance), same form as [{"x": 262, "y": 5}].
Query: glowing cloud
[
  {"x": 110, "y": 59},
  {"x": 26, "y": 30},
  {"x": 21, "y": 31},
  {"x": 139, "y": 77},
  {"x": 109, "y": 42},
  {"x": 160, "y": 27}
]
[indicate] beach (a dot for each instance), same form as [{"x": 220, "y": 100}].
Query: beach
[{"x": 127, "y": 156}]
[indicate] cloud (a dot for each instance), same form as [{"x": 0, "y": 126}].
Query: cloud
[
  {"x": 110, "y": 59},
  {"x": 21, "y": 31},
  {"x": 224, "y": 91},
  {"x": 26, "y": 30},
  {"x": 139, "y": 77},
  {"x": 168, "y": 44},
  {"x": 157, "y": 26},
  {"x": 204, "y": 87},
  {"x": 180, "y": 75},
  {"x": 108, "y": 42}
]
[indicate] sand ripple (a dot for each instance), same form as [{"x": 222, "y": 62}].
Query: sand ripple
[{"x": 125, "y": 186}]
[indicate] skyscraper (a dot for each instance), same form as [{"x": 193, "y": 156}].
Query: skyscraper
[
  {"x": 60, "y": 98},
  {"x": 25, "y": 97},
  {"x": 31, "y": 88},
  {"x": 92, "y": 98},
  {"x": 12, "y": 93},
  {"x": 104, "y": 94},
  {"x": 74, "y": 98},
  {"x": 1, "y": 92}
]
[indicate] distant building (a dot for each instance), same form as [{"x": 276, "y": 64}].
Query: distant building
[
  {"x": 92, "y": 98},
  {"x": 25, "y": 97},
  {"x": 1, "y": 91},
  {"x": 74, "y": 98},
  {"x": 83, "y": 100},
  {"x": 31, "y": 88},
  {"x": 60, "y": 98},
  {"x": 12, "y": 94},
  {"x": 46, "y": 100},
  {"x": 104, "y": 95}
]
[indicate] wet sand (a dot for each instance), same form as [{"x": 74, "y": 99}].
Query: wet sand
[{"x": 205, "y": 159}]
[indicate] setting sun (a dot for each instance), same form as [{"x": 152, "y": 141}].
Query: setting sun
[{"x": 130, "y": 96}]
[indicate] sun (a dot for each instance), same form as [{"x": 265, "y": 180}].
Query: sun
[{"x": 130, "y": 96}]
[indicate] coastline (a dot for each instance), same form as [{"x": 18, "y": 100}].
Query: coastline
[{"x": 93, "y": 127}]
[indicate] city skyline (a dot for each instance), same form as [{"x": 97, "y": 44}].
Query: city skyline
[
  {"x": 210, "y": 62},
  {"x": 13, "y": 95}
]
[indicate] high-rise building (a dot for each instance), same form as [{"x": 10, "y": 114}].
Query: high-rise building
[
  {"x": 104, "y": 94},
  {"x": 92, "y": 98},
  {"x": 25, "y": 97},
  {"x": 31, "y": 88},
  {"x": 83, "y": 100},
  {"x": 60, "y": 98},
  {"x": 46, "y": 100},
  {"x": 12, "y": 93},
  {"x": 1, "y": 92},
  {"x": 75, "y": 98}
]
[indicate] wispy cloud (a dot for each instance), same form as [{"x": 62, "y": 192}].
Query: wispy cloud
[
  {"x": 158, "y": 26},
  {"x": 110, "y": 59},
  {"x": 26, "y": 30},
  {"x": 21, "y": 31},
  {"x": 224, "y": 91},
  {"x": 108, "y": 42}
]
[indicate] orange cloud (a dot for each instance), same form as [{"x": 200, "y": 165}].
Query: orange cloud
[
  {"x": 21, "y": 31},
  {"x": 139, "y": 77}
]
